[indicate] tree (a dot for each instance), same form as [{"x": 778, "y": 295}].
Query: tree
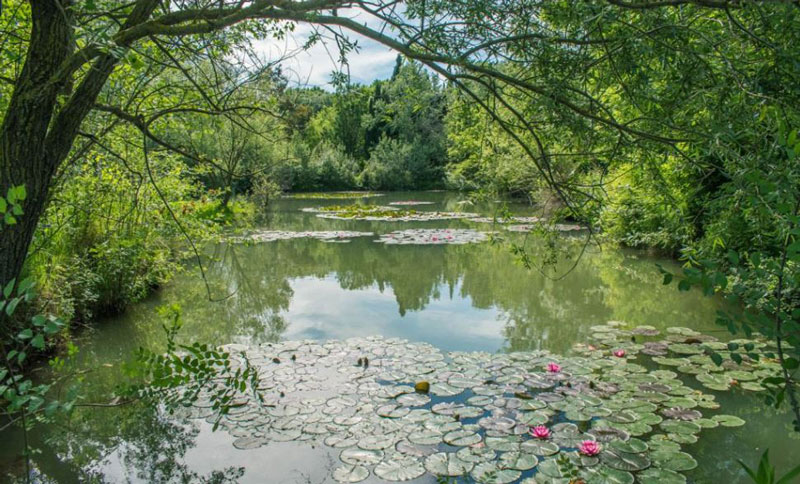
[{"x": 80, "y": 59}]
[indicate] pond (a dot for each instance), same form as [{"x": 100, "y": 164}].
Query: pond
[{"x": 471, "y": 297}]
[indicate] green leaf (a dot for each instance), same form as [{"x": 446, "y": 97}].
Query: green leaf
[
  {"x": 788, "y": 478},
  {"x": 9, "y": 288},
  {"x": 3, "y": 205},
  {"x": 791, "y": 363},
  {"x": 38, "y": 341},
  {"x": 684, "y": 285},
  {"x": 25, "y": 334},
  {"x": 12, "y": 306},
  {"x": 716, "y": 358}
]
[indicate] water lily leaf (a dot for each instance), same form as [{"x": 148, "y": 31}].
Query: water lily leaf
[
  {"x": 714, "y": 381},
  {"x": 673, "y": 460},
  {"x": 247, "y": 443},
  {"x": 445, "y": 390},
  {"x": 678, "y": 413},
  {"x": 679, "y": 427},
  {"x": 503, "y": 444},
  {"x": 683, "y": 438},
  {"x": 413, "y": 399},
  {"x": 376, "y": 442},
  {"x": 728, "y": 420},
  {"x": 539, "y": 447},
  {"x": 551, "y": 469},
  {"x": 399, "y": 468},
  {"x": 426, "y": 437},
  {"x": 654, "y": 475},
  {"x": 624, "y": 461},
  {"x": 632, "y": 446},
  {"x": 489, "y": 473},
  {"x": 355, "y": 456},
  {"x": 340, "y": 441},
  {"x": 518, "y": 461},
  {"x": 607, "y": 434},
  {"x": 607, "y": 475},
  {"x": 500, "y": 424},
  {"x": 462, "y": 438},
  {"x": 476, "y": 453},
  {"x": 350, "y": 473},
  {"x": 448, "y": 464}
]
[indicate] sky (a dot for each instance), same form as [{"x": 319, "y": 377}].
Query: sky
[{"x": 314, "y": 66}]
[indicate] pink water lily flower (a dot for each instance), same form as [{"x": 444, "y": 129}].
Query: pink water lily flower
[
  {"x": 553, "y": 367},
  {"x": 589, "y": 447},
  {"x": 619, "y": 353},
  {"x": 540, "y": 432}
]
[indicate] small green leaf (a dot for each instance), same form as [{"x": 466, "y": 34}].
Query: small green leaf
[
  {"x": 38, "y": 341},
  {"x": 9, "y": 288},
  {"x": 791, "y": 363}
]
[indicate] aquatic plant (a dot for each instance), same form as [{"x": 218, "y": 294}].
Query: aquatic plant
[
  {"x": 325, "y": 236},
  {"x": 433, "y": 237},
  {"x": 540, "y": 432},
  {"x": 382, "y": 213},
  {"x": 608, "y": 419},
  {"x": 410, "y": 203},
  {"x": 332, "y": 195}
]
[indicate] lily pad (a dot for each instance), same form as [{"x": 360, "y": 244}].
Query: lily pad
[
  {"x": 448, "y": 464},
  {"x": 461, "y": 438},
  {"x": 728, "y": 420},
  {"x": 655, "y": 475},
  {"x": 624, "y": 461},
  {"x": 517, "y": 461},
  {"x": 399, "y": 468},
  {"x": 489, "y": 473},
  {"x": 360, "y": 456},
  {"x": 350, "y": 473}
]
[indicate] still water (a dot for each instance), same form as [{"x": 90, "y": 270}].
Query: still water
[{"x": 459, "y": 298}]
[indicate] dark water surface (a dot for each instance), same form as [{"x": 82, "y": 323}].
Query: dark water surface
[{"x": 466, "y": 298}]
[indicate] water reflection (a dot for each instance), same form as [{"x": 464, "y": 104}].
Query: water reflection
[{"x": 455, "y": 297}]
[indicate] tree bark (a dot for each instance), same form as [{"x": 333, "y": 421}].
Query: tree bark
[
  {"x": 36, "y": 137},
  {"x": 23, "y": 158}
]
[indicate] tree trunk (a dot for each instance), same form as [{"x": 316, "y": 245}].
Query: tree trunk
[
  {"x": 34, "y": 140},
  {"x": 23, "y": 158}
]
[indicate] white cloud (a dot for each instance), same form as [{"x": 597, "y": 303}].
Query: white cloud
[{"x": 315, "y": 65}]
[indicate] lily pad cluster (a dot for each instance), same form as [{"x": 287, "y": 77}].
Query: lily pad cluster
[
  {"x": 411, "y": 203},
  {"x": 381, "y": 213},
  {"x": 607, "y": 418},
  {"x": 507, "y": 220},
  {"x": 333, "y": 195},
  {"x": 538, "y": 226},
  {"x": 741, "y": 363},
  {"x": 434, "y": 237},
  {"x": 325, "y": 236}
]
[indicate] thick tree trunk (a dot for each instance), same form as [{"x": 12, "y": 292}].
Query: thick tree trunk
[
  {"x": 23, "y": 157},
  {"x": 34, "y": 141}
]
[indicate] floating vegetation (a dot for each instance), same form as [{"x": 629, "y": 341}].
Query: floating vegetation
[
  {"x": 332, "y": 195},
  {"x": 604, "y": 416},
  {"x": 545, "y": 226},
  {"x": 507, "y": 220},
  {"x": 383, "y": 213},
  {"x": 691, "y": 353},
  {"x": 325, "y": 236},
  {"x": 410, "y": 203},
  {"x": 434, "y": 237}
]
